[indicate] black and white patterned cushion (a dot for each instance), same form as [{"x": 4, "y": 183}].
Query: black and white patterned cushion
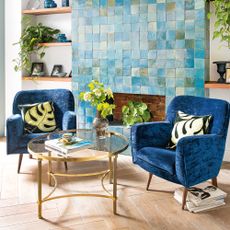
[{"x": 189, "y": 125}]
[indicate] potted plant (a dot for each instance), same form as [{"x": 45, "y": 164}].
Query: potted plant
[
  {"x": 29, "y": 41},
  {"x": 98, "y": 97},
  {"x": 135, "y": 112},
  {"x": 222, "y": 23}
]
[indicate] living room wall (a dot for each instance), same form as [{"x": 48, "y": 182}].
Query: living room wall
[{"x": 155, "y": 47}]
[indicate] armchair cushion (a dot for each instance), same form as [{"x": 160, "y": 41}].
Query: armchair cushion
[
  {"x": 163, "y": 159},
  {"x": 189, "y": 125},
  {"x": 150, "y": 134},
  {"x": 38, "y": 117},
  {"x": 24, "y": 140}
]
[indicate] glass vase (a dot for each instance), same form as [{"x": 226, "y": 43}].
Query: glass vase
[{"x": 101, "y": 126}]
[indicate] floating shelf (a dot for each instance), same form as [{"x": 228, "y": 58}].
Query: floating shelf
[
  {"x": 46, "y": 78},
  {"x": 61, "y": 10},
  {"x": 215, "y": 85},
  {"x": 52, "y": 44}
]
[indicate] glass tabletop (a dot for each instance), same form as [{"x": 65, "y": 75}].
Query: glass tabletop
[{"x": 114, "y": 143}]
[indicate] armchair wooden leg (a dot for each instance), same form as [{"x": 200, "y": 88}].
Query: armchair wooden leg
[
  {"x": 20, "y": 162},
  {"x": 149, "y": 181},
  {"x": 184, "y": 198},
  {"x": 66, "y": 166},
  {"x": 214, "y": 182}
]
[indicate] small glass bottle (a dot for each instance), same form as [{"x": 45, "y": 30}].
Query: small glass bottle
[{"x": 65, "y": 3}]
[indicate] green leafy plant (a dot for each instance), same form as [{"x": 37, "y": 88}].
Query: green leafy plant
[
  {"x": 98, "y": 96},
  {"x": 29, "y": 41},
  {"x": 135, "y": 112},
  {"x": 222, "y": 24}
]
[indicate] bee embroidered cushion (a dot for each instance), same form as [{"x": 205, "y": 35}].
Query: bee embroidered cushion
[
  {"x": 39, "y": 117},
  {"x": 189, "y": 125}
]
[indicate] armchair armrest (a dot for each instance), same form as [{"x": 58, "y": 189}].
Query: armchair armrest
[
  {"x": 69, "y": 120},
  {"x": 14, "y": 131},
  {"x": 199, "y": 158},
  {"x": 155, "y": 134}
]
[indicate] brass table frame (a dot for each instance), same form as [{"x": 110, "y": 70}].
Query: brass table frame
[{"x": 111, "y": 171}]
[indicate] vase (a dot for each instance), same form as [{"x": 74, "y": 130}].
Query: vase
[
  {"x": 101, "y": 125},
  {"x": 221, "y": 69}
]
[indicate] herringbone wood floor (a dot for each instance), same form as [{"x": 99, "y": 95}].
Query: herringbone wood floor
[{"x": 137, "y": 208}]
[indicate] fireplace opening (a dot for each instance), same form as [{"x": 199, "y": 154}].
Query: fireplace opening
[{"x": 155, "y": 103}]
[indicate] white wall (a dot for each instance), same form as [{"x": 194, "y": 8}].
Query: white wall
[
  {"x": 219, "y": 53},
  {"x": 27, "y": 85},
  {"x": 12, "y": 35},
  {"x": 2, "y": 79}
]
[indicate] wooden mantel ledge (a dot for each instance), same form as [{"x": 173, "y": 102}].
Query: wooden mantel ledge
[
  {"x": 46, "y": 11},
  {"x": 55, "y": 44},
  {"x": 46, "y": 78},
  {"x": 215, "y": 85}
]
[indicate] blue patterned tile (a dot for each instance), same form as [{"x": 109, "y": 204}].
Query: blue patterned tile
[{"x": 139, "y": 46}]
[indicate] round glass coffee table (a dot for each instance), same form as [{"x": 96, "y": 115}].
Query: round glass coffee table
[{"x": 107, "y": 148}]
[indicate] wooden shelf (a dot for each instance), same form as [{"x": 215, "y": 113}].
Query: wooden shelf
[
  {"x": 54, "y": 44},
  {"x": 61, "y": 10},
  {"x": 47, "y": 78},
  {"x": 215, "y": 85}
]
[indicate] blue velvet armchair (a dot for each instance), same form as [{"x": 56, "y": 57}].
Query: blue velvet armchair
[
  {"x": 196, "y": 158},
  {"x": 65, "y": 117}
]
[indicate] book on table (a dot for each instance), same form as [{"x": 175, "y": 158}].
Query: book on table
[
  {"x": 75, "y": 145},
  {"x": 202, "y": 197}
]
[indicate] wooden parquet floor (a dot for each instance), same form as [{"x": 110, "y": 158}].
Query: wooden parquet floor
[{"x": 138, "y": 209}]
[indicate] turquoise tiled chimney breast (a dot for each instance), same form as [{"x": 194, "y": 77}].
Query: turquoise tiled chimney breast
[{"x": 155, "y": 47}]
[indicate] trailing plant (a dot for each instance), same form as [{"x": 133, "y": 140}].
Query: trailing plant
[
  {"x": 98, "y": 97},
  {"x": 135, "y": 112},
  {"x": 222, "y": 24},
  {"x": 29, "y": 41}
]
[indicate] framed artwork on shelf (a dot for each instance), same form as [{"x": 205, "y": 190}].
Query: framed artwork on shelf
[
  {"x": 57, "y": 70},
  {"x": 37, "y": 69},
  {"x": 227, "y": 75}
]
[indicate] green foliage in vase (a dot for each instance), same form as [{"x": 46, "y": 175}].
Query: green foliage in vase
[
  {"x": 135, "y": 112},
  {"x": 222, "y": 24},
  {"x": 98, "y": 96},
  {"x": 29, "y": 41}
]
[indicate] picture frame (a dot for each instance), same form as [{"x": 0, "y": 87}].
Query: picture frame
[
  {"x": 227, "y": 76},
  {"x": 37, "y": 69},
  {"x": 57, "y": 70}
]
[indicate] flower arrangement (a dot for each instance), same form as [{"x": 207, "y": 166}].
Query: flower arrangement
[{"x": 98, "y": 96}]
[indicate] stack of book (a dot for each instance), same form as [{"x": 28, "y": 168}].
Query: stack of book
[
  {"x": 201, "y": 198},
  {"x": 75, "y": 145}
]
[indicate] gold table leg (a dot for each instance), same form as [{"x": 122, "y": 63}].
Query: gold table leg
[
  {"x": 111, "y": 170},
  {"x": 39, "y": 189},
  {"x": 49, "y": 171},
  {"x": 115, "y": 185}
]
